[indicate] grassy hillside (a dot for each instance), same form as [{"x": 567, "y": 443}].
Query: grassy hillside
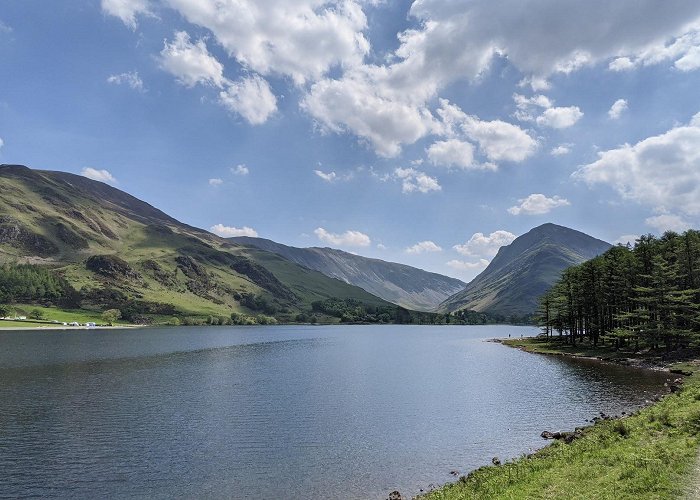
[
  {"x": 522, "y": 271},
  {"x": 118, "y": 251}
]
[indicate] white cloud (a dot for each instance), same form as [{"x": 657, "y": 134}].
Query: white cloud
[
  {"x": 561, "y": 149},
  {"x": 131, "y": 78},
  {"x": 452, "y": 153},
  {"x": 460, "y": 39},
  {"x": 626, "y": 239},
  {"x": 251, "y": 98},
  {"x": 683, "y": 48},
  {"x": 661, "y": 171},
  {"x": 191, "y": 63},
  {"x": 549, "y": 116},
  {"x": 328, "y": 177},
  {"x": 230, "y": 232},
  {"x": 349, "y": 238},
  {"x": 497, "y": 140},
  {"x": 537, "y": 204},
  {"x": 241, "y": 169},
  {"x": 216, "y": 182},
  {"x": 302, "y": 39},
  {"x": 414, "y": 180},
  {"x": 562, "y": 117},
  {"x": 668, "y": 222},
  {"x": 98, "y": 175},
  {"x": 621, "y": 64},
  {"x": 2, "y": 143},
  {"x": 423, "y": 247},
  {"x": 482, "y": 245},
  {"x": 616, "y": 110},
  {"x": 461, "y": 265},
  {"x": 363, "y": 106},
  {"x": 381, "y": 246},
  {"x": 126, "y": 10}
]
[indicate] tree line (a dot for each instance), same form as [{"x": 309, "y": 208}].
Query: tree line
[{"x": 641, "y": 296}]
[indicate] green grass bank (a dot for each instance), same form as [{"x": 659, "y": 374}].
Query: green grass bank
[{"x": 651, "y": 454}]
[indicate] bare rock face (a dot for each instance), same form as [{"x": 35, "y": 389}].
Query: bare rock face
[
  {"x": 17, "y": 235},
  {"x": 111, "y": 266}
]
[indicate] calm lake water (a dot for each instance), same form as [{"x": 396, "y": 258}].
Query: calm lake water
[{"x": 282, "y": 412}]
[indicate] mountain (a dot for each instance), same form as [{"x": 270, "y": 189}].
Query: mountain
[
  {"x": 522, "y": 271},
  {"x": 397, "y": 283},
  {"x": 120, "y": 251}
]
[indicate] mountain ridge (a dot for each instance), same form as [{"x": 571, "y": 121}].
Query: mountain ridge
[
  {"x": 398, "y": 283},
  {"x": 121, "y": 251}
]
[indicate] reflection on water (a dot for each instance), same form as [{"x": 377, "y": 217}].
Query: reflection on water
[{"x": 282, "y": 412}]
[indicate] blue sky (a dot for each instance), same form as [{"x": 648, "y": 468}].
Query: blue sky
[{"x": 427, "y": 132}]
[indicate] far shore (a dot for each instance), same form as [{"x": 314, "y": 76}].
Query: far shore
[{"x": 61, "y": 327}]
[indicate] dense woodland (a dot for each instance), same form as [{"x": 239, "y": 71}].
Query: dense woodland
[
  {"x": 646, "y": 296},
  {"x": 28, "y": 283}
]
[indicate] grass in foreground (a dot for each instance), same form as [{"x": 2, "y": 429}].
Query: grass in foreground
[{"x": 647, "y": 455}]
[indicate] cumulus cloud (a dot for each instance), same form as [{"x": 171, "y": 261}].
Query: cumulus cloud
[
  {"x": 462, "y": 38},
  {"x": 414, "y": 180},
  {"x": 349, "y": 238},
  {"x": 216, "y": 182},
  {"x": 282, "y": 37},
  {"x": 497, "y": 140},
  {"x": 537, "y": 204},
  {"x": 126, "y": 10},
  {"x": 683, "y": 49},
  {"x": 251, "y": 98},
  {"x": 616, "y": 110},
  {"x": 230, "y": 232},
  {"x": 98, "y": 175},
  {"x": 541, "y": 110},
  {"x": 452, "y": 153},
  {"x": 668, "y": 222},
  {"x": 130, "y": 78},
  {"x": 191, "y": 63},
  {"x": 561, "y": 150},
  {"x": 485, "y": 245},
  {"x": 461, "y": 265},
  {"x": 562, "y": 117},
  {"x": 241, "y": 169},
  {"x": 661, "y": 171},
  {"x": 423, "y": 247},
  {"x": 361, "y": 104}
]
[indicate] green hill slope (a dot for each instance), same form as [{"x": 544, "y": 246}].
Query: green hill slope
[
  {"x": 522, "y": 271},
  {"x": 122, "y": 252},
  {"x": 397, "y": 283}
]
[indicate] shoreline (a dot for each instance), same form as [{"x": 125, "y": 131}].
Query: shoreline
[
  {"x": 508, "y": 481},
  {"x": 61, "y": 327}
]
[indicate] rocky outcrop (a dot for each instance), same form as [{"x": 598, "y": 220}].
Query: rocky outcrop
[
  {"x": 15, "y": 234},
  {"x": 111, "y": 266}
]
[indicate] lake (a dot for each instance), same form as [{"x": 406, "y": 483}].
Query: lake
[{"x": 311, "y": 412}]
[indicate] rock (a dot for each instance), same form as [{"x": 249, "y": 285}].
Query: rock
[
  {"x": 454, "y": 473},
  {"x": 547, "y": 435},
  {"x": 395, "y": 495},
  {"x": 495, "y": 461}
]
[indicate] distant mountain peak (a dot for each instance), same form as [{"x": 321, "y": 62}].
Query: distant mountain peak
[{"x": 522, "y": 271}]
